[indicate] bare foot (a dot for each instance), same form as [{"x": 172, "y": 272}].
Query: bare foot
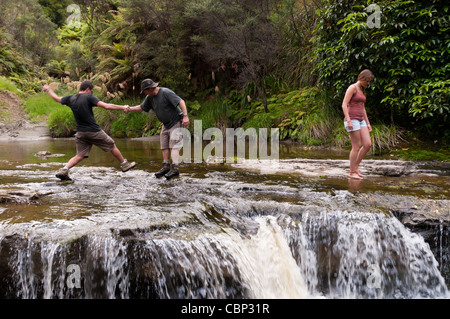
[
  {"x": 354, "y": 175},
  {"x": 359, "y": 173}
]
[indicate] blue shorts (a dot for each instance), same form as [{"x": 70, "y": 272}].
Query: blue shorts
[{"x": 357, "y": 124}]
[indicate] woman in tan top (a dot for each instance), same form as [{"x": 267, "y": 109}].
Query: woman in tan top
[{"x": 356, "y": 121}]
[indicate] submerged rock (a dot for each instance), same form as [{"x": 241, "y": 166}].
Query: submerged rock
[
  {"x": 22, "y": 197},
  {"x": 42, "y": 153},
  {"x": 47, "y": 154},
  {"x": 17, "y": 200}
]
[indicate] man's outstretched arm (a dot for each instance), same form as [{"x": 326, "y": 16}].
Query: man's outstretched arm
[
  {"x": 136, "y": 108},
  {"x": 52, "y": 94},
  {"x": 110, "y": 106}
]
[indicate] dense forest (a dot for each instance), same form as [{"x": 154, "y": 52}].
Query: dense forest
[{"x": 239, "y": 63}]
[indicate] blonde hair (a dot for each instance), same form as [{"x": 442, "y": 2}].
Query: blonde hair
[{"x": 365, "y": 75}]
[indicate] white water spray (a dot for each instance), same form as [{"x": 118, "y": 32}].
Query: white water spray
[{"x": 267, "y": 265}]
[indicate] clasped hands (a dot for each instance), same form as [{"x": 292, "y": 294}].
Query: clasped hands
[{"x": 126, "y": 109}]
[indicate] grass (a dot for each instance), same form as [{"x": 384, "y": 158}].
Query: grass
[
  {"x": 134, "y": 124},
  {"x": 385, "y": 137},
  {"x": 61, "y": 122},
  {"x": 212, "y": 113},
  {"x": 420, "y": 150},
  {"x": 423, "y": 155},
  {"x": 40, "y": 106},
  {"x": 317, "y": 127},
  {"x": 6, "y": 84}
]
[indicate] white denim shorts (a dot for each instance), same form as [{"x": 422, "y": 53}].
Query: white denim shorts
[{"x": 356, "y": 125}]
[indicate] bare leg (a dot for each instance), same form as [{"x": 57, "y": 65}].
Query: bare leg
[
  {"x": 166, "y": 154},
  {"x": 355, "y": 138},
  {"x": 175, "y": 152},
  {"x": 366, "y": 145},
  {"x": 74, "y": 161},
  {"x": 116, "y": 153}
]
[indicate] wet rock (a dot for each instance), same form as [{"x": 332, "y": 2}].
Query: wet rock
[
  {"x": 47, "y": 154},
  {"x": 17, "y": 200},
  {"x": 22, "y": 197},
  {"x": 330, "y": 168},
  {"x": 391, "y": 168},
  {"x": 42, "y": 153},
  {"x": 215, "y": 160},
  {"x": 425, "y": 225},
  {"x": 435, "y": 232}
]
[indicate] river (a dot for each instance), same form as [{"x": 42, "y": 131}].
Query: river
[{"x": 302, "y": 230}]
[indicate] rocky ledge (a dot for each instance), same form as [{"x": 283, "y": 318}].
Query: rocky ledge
[{"x": 331, "y": 168}]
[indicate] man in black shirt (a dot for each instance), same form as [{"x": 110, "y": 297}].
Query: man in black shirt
[
  {"x": 171, "y": 110},
  {"x": 88, "y": 131}
]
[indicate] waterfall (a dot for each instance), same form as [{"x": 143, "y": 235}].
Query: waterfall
[
  {"x": 267, "y": 264},
  {"x": 309, "y": 255},
  {"x": 363, "y": 255}
]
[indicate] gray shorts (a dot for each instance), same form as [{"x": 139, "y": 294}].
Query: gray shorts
[
  {"x": 171, "y": 138},
  {"x": 85, "y": 140}
]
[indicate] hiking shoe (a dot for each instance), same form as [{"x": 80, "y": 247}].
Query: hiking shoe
[
  {"x": 127, "y": 166},
  {"x": 164, "y": 169},
  {"x": 173, "y": 172},
  {"x": 63, "y": 174}
]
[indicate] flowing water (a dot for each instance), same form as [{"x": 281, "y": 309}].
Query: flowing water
[{"x": 218, "y": 231}]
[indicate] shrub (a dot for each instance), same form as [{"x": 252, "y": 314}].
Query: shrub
[
  {"x": 40, "y": 106},
  {"x": 61, "y": 122}
]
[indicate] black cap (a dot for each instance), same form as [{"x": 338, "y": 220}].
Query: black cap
[{"x": 148, "y": 83}]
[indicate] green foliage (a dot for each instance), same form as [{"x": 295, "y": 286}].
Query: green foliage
[
  {"x": 60, "y": 119},
  {"x": 116, "y": 47},
  {"x": 40, "y": 106},
  {"x": 27, "y": 84},
  {"x": 308, "y": 118},
  {"x": 56, "y": 68},
  {"x": 161, "y": 36},
  {"x": 31, "y": 31},
  {"x": 56, "y": 10},
  {"x": 61, "y": 122},
  {"x": 27, "y": 42},
  {"x": 385, "y": 137},
  {"x": 8, "y": 85},
  {"x": 213, "y": 113},
  {"x": 79, "y": 60},
  {"x": 119, "y": 124},
  {"x": 301, "y": 115},
  {"x": 68, "y": 34},
  {"x": 409, "y": 55},
  {"x": 296, "y": 21},
  {"x": 236, "y": 34},
  {"x": 10, "y": 60},
  {"x": 423, "y": 155}
]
